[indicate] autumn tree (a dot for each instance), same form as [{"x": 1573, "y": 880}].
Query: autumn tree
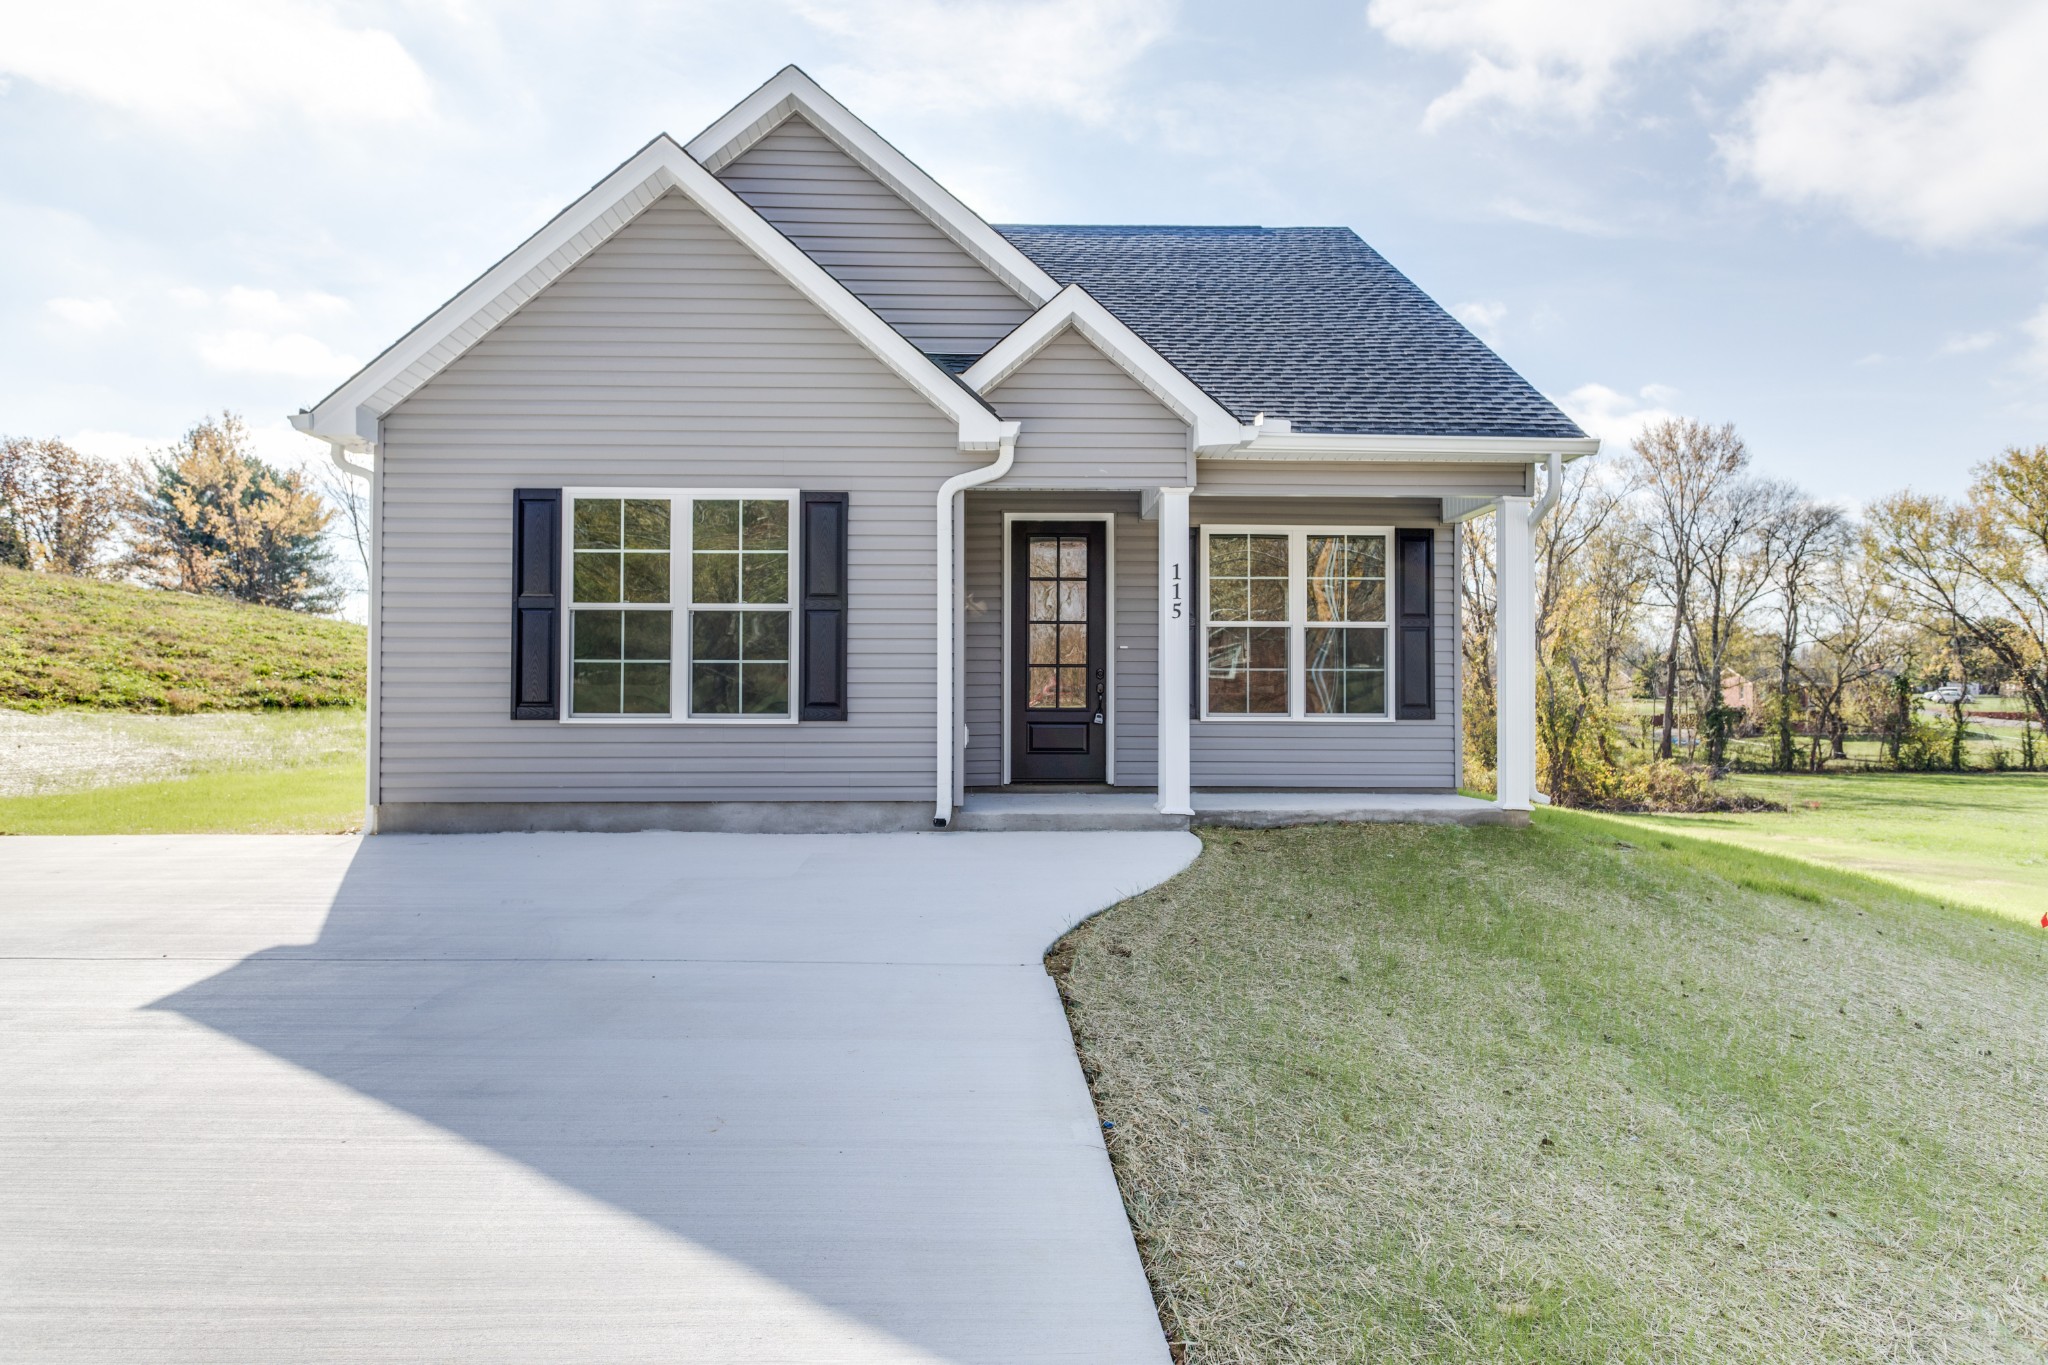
[
  {"x": 58, "y": 509},
  {"x": 1979, "y": 562},
  {"x": 209, "y": 516}
]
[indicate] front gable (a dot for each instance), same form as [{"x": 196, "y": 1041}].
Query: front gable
[
  {"x": 1088, "y": 424},
  {"x": 890, "y": 255}
]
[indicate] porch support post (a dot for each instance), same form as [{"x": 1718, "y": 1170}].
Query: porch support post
[
  {"x": 1176, "y": 609},
  {"x": 1515, "y": 652}
]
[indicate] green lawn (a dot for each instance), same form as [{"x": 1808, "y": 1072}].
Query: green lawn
[
  {"x": 322, "y": 798},
  {"x": 1978, "y": 840},
  {"x": 1579, "y": 1092},
  {"x": 76, "y": 642}
]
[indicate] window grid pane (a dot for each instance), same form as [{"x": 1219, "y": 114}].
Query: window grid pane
[
  {"x": 619, "y": 662},
  {"x": 1347, "y": 670}
]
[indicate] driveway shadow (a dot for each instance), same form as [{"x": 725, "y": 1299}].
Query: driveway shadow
[{"x": 835, "y": 1060}]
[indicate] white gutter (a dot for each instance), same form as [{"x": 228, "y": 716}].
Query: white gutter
[
  {"x": 1552, "y": 486},
  {"x": 949, "y": 738}
]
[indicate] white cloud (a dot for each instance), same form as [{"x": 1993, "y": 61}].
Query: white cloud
[
  {"x": 86, "y": 315},
  {"x": 2034, "y": 359},
  {"x": 273, "y": 441},
  {"x": 214, "y": 62},
  {"x": 1616, "y": 417},
  {"x": 1965, "y": 343},
  {"x": 1928, "y": 131},
  {"x": 1559, "y": 56},
  {"x": 252, "y": 351},
  {"x": 1919, "y": 121},
  {"x": 1483, "y": 318},
  {"x": 927, "y": 55}
]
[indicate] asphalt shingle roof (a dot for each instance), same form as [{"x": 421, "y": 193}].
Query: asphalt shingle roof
[{"x": 1310, "y": 324}]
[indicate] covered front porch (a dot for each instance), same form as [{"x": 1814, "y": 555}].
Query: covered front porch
[{"x": 1163, "y": 754}]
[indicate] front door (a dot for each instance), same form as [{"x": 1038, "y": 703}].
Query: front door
[{"x": 1059, "y": 653}]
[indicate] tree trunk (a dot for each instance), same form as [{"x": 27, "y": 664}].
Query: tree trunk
[{"x": 1670, "y": 687}]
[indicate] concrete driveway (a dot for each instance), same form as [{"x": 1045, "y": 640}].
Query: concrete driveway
[{"x": 687, "y": 1098}]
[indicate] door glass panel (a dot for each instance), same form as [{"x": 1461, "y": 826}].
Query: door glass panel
[{"x": 1057, "y": 633}]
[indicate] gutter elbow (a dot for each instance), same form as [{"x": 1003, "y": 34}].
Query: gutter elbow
[
  {"x": 344, "y": 464},
  {"x": 1553, "y": 484}
]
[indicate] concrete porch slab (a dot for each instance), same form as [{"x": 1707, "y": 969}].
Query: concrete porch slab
[
  {"x": 1270, "y": 810},
  {"x": 999, "y": 811}
]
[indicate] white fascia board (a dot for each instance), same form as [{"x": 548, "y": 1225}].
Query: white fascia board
[
  {"x": 1214, "y": 427},
  {"x": 1449, "y": 449},
  {"x": 790, "y": 91},
  {"x": 351, "y": 412}
]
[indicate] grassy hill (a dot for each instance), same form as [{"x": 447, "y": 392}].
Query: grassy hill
[{"x": 113, "y": 646}]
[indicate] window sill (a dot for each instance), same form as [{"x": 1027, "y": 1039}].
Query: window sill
[{"x": 678, "y": 720}]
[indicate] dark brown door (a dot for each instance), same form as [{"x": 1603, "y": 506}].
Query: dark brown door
[{"x": 1059, "y": 653}]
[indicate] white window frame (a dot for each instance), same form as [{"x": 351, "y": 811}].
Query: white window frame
[
  {"x": 681, "y": 581},
  {"x": 1297, "y": 624}
]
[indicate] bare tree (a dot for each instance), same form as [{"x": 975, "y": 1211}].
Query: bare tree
[
  {"x": 1683, "y": 467},
  {"x": 1811, "y": 536},
  {"x": 350, "y": 499},
  {"x": 1737, "y": 546}
]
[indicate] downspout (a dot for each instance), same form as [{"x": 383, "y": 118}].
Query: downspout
[
  {"x": 1553, "y": 484},
  {"x": 948, "y": 732}
]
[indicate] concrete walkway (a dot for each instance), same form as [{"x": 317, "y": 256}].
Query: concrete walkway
[{"x": 704, "y": 1098}]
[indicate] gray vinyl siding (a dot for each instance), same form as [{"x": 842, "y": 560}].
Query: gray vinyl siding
[
  {"x": 1306, "y": 755},
  {"x": 1135, "y": 579},
  {"x": 1359, "y": 479},
  {"x": 1087, "y": 424},
  {"x": 671, "y": 358},
  {"x": 885, "y": 252}
]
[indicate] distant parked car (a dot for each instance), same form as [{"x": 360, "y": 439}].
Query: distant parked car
[{"x": 1947, "y": 694}]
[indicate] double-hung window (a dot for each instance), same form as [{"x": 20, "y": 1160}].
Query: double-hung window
[
  {"x": 1295, "y": 623},
  {"x": 680, "y": 605}
]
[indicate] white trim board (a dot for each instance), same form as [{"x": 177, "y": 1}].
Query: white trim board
[
  {"x": 1108, "y": 519},
  {"x": 791, "y": 91},
  {"x": 1211, "y": 425},
  {"x": 349, "y": 415},
  {"x": 1481, "y": 449}
]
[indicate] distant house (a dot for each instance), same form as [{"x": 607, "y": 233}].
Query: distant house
[
  {"x": 1737, "y": 692},
  {"x": 768, "y": 486}
]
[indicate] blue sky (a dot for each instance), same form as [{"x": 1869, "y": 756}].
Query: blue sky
[{"x": 1819, "y": 219}]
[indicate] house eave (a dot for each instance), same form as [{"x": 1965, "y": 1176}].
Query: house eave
[{"x": 1409, "y": 449}]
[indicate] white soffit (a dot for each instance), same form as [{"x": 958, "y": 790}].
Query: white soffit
[
  {"x": 349, "y": 414},
  {"x": 789, "y": 91},
  {"x": 1214, "y": 428}
]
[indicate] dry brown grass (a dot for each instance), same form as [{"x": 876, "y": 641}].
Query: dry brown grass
[{"x": 1444, "y": 1094}]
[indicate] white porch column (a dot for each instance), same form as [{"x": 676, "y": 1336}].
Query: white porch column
[
  {"x": 1515, "y": 652},
  {"x": 1176, "y": 611}
]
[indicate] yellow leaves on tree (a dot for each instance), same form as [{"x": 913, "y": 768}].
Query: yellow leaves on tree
[{"x": 208, "y": 516}]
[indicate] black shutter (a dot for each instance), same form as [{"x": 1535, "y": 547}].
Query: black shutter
[
  {"x": 823, "y": 606},
  {"x": 536, "y": 602},
  {"x": 1414, "y": 625}
]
